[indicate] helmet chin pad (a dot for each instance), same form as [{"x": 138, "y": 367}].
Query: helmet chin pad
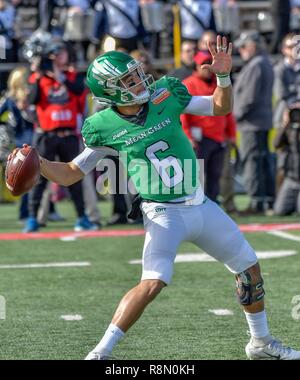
[{"x": 141, "y": 98}]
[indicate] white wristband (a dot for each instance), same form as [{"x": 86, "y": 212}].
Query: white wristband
[{"x": 223, "y": 81}]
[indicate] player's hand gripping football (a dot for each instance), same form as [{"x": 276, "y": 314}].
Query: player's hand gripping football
[
  {"x": 15, "y": 151},
  {"x": 221, "y": 55},
  {"x": 22, "y": 170}
]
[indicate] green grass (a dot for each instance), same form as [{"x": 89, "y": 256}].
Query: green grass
[{"x": 177, "y": 325}]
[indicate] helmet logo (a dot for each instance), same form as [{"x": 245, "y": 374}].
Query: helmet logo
[
  {"x": 104, "y": 71},
  {"x": 132, "y": 64}
]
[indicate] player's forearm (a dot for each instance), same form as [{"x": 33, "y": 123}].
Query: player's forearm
[
  {"x": 64, "y": 174},
  {"x": 223, "y": 100}
]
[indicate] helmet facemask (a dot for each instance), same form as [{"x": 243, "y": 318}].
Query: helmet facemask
[{"x": 126, "y": 94}]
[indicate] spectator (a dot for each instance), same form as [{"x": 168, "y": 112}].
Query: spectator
[
  {"x": 7, "y": 19},
  {"x": 188, "y": 50},
  {"x": 253, "y": 111},
  {"x": 78, "y": 5},
  {"x": 227, "y": 17},
  {"x": 208, "y": 134},
  {"x": 152, "y": 13},
  {"x": 295, "y": 16},
  {"x": 124, "y": 23},
  {"x": 286, "y": 90},
  {"x": 227, "y": 191},
  {"x": 280, "y": 10},
  {"x": 18, "y": 116},
  {"x": 55, "y": 90},
  {"x": 144, "y": 57},
  {"x": 287, "y": 76},
  {"x": 100, "y": 22},
  {"x": 121, "y": 202},
  {"x": 207, "y": 36},
  {"x": 47, "y": 210},
  {"x": 288, "y": 137},
  {"x": 89, "y": 188},
  {"x": 79, "y": 26},
  {"x": 196, "y": 17},
  {"x": 46, "y": 11}
]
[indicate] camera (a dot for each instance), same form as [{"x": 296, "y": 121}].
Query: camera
[
  {"x": 53, "y": 48},
  {"x": 42, "y": 45},
  {"x": 35, "y": 45},
  {"x": 294, "y": 115}
]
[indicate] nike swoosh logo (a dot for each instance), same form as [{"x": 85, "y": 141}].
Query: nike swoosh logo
[
  {"x": 159, "y": 112},
  {"x": 272, "y": 356}
]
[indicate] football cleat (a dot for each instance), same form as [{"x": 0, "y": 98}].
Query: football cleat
[
  {"x": 274, "y": 350},
  {"x": 94, "y": 355}
]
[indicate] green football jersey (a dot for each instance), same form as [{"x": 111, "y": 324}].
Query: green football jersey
[{"x": 158, "y": 156}]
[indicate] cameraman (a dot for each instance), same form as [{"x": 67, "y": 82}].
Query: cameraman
[
  {"x": 55, "y": 89},
  {"x": 288, "y": 137}
]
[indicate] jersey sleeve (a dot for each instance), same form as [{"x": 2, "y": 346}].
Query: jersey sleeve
[
  {"x": 91, "y": 158},
  {"x": 179, "y": 91},
  {"x": 201, "y": 105},
  {"x": 91, "y": 134}
]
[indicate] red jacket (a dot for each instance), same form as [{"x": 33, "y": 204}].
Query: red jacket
[
  {"x": 57, "y": 106},
  {"x": 217, "y": 128}
]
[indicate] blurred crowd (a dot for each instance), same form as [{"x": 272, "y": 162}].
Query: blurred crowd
[
  {"x": 254, "y": 150},
  {"x": 89, "y": 25}
]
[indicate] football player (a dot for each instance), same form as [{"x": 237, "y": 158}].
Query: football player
[{"x": 143, "y": 122}]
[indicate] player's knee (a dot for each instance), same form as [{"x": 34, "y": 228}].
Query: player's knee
[
  {"x": 249, "y": 286},
  {"x": 152, "y": 288}
]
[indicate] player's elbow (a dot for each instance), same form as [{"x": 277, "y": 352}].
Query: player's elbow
[
  {"x": 223, "y": 109},
  {"x": 67, "y": 182},
  {"x": 222, "y": 105}
]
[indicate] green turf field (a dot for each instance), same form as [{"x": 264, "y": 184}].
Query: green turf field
[{"x": 177, "y": 325}]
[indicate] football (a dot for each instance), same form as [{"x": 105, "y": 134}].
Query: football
[{"x": 22, "y": 171}]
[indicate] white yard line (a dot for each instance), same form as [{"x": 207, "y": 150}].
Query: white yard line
[
  {"x": 72, "y": 317},
  {"x": 190, "y": 257},
  {"x": 284, "y": 235},
  {"x": 275, "y": 254},
  {"x": 47, "y": 265},
  {"x": 68, "y": 238},
  {"x": 221, "y": 312}
]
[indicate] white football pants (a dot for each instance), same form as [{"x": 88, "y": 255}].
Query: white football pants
[{"x": 206, "y": 225}]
